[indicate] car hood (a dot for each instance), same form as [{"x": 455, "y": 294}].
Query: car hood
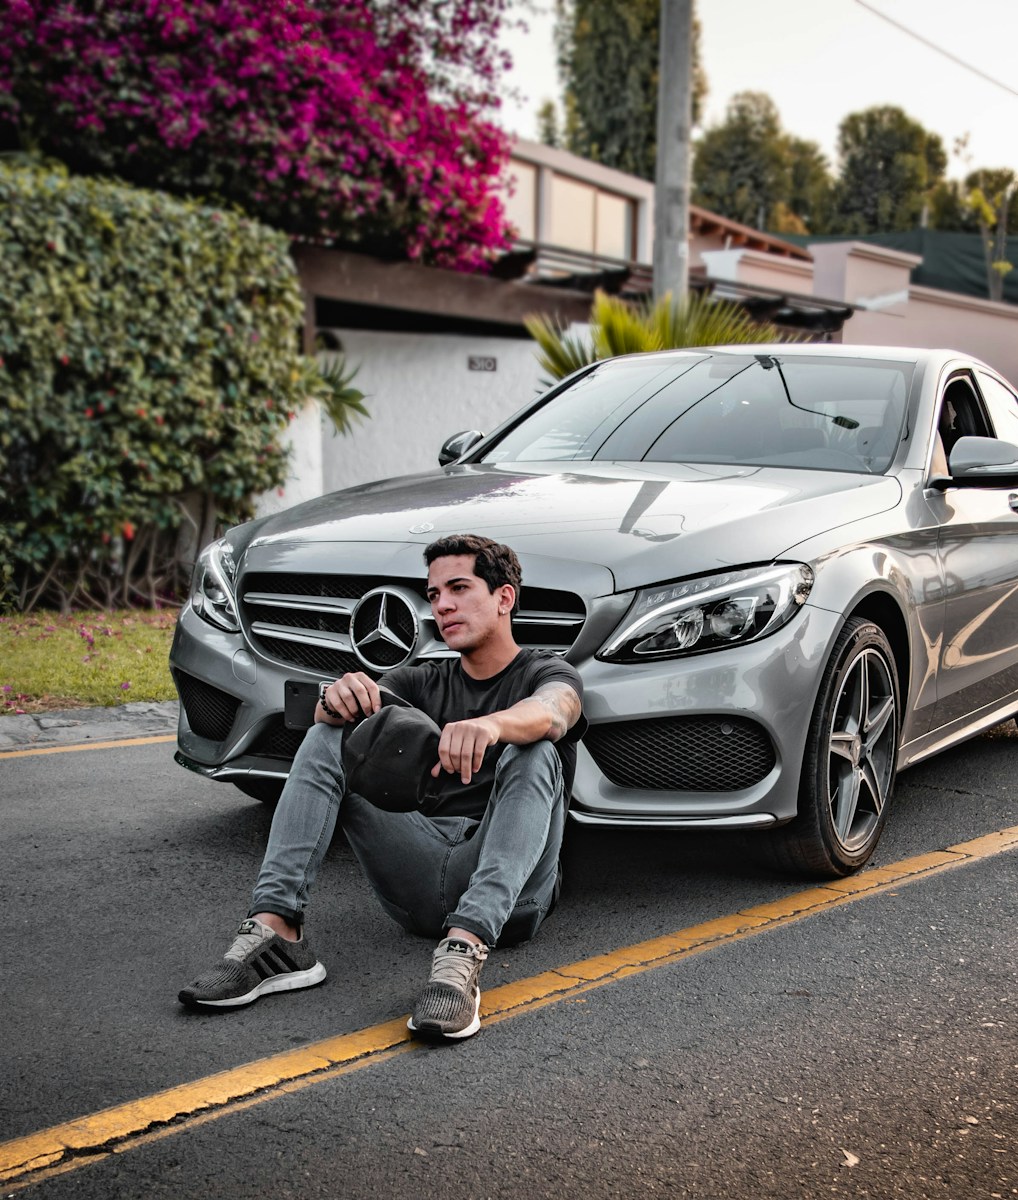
[{"x": 644, "y": 523}]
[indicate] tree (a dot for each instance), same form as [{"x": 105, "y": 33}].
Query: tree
[
  {"x": 991, "y": 199},
  {"x": 361, "y": 122},
  {"x": 608, "y": 59},
  {"x": 811, "y": 188},
  {"x": 889, "y": 167},
  {"x": 547, "y": 124},
  {"x": 741, "y": 167},
  {"x": 951, "y": 209}
]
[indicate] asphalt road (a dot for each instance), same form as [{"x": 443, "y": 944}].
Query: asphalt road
[{"x": 869, "y": 1049}]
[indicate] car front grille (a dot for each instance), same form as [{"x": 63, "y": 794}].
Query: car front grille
[
  {"x": 276, "y": 741},
  {"x": 304, "y": 620},
  {"x": 682, "y": 754},
  {"x": 210, "y": 712}
]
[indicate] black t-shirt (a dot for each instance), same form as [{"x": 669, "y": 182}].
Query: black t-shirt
[{"x": 443, "y": 690}]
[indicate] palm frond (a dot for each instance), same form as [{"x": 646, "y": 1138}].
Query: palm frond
[
  {"x": 339, "y": 399},
  {"x": 700, "y": 320},
  {"x": 561, "y": 353},
  {"x": 619, "y": 328}
]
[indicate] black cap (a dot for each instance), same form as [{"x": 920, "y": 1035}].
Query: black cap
[{"x": 388, "y": 757}]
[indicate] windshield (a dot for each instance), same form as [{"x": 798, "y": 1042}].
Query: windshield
[{"x": 826, "y": 414}]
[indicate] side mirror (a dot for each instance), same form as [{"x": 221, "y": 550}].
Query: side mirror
[
  {"x": 456, "y": 446},
  {"x": 976, "y": 461}
]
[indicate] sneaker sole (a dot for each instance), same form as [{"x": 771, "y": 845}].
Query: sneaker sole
[
  {"x": 292, "y": 981},
  {"x": 434, "y": 1031}
]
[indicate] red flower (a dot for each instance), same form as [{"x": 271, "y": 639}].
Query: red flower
[
  {"x": 89, "y": 413},
  {"x": 128, "y": 531}
]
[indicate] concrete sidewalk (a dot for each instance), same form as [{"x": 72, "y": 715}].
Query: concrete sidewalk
[{"x": 68, "y": 726}]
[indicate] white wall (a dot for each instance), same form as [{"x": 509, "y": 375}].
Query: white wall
[
  {"x": 304, "y": 435},
  {"x": 419, "y": 391}
]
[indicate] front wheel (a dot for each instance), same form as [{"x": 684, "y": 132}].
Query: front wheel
[{"x": 848, "y": 769}]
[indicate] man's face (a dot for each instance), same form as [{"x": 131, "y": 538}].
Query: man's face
[{"x": 466, "y": 612}]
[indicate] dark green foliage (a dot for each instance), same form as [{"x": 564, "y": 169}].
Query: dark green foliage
[
  {"x": 148, "y": 368},
  {"x": 951, "y": 208},
  {"x": 608, "y": 57},
  {"x": 889, "y": 165},
  {"x": 742, "y": 168},
  {"x": 811, "y": 188}
]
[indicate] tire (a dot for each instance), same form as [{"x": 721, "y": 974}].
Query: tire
[
  {"x": 848, "y": 769},
  {"x": 266, "y": 790}
]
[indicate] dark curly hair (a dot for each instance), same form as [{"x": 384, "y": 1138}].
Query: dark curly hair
[{"x": 494, "y": 563}]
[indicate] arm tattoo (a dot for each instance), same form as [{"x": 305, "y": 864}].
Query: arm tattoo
[{"x": 563, "y": 704}]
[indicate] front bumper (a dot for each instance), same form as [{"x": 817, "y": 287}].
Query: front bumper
[{"x": 231, "y": 724}]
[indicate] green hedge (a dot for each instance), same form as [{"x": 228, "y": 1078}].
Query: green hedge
[{"x": 148, "y": 367}]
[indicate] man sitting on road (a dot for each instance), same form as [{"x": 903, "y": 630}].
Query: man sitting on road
[{"x": 475, "y": 859}]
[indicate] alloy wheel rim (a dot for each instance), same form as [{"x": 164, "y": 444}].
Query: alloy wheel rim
[{"x": 860, "y": 759}]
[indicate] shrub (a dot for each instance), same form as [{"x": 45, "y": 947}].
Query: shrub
[
  {"x": 148, "y": 367},
  {"x": 359, "y": 121},
  {"x": 618, "y": 327}
]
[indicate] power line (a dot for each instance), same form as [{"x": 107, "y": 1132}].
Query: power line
[{"x": 939, "y": 49}]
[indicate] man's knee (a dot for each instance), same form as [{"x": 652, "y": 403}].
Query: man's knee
[
  {"x": 322, "y": 743},
  {"x": 539, "y": 762},
  {"x": 318, "y": 758}
]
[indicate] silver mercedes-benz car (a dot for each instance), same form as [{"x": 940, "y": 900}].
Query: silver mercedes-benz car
[{"x": 784, "y": 573}]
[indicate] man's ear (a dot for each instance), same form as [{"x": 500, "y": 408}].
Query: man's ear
[{"x": 507, "y": 597}]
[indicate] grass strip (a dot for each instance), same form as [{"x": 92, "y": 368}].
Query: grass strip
[{"x": 49, "y": 661}]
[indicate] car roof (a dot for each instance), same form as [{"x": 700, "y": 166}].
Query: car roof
[{"x": 926, "y": 357}]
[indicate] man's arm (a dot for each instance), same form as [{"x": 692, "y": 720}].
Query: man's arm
[{"x": 548, "y": 714}]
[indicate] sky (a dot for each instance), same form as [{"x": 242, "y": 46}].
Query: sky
[{"x": 819, "y": 60}]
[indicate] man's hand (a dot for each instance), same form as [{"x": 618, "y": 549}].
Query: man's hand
[
  {"x": 462, "y": 745},
  {"x": 352, "y": 695}
]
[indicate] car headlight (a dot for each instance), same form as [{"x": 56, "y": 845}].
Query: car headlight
[
  {"x": 709, "y": 613},
  {"x": 212, "y": 594}
]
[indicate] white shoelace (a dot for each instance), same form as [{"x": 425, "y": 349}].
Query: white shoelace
[{"x": 455, "y": 966}]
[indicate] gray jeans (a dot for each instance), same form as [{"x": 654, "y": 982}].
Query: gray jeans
[{"x": 496, "y": 878}]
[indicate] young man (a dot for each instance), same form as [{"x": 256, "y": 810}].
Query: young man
[{"x": 477, "y": 860}]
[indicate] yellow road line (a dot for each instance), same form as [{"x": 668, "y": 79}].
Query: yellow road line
[
  {"x": 63, "y": 1147},
  {"x": 138, "y": 741}
]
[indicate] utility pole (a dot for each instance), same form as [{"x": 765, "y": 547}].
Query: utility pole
[{"x": 674, "y": 122}]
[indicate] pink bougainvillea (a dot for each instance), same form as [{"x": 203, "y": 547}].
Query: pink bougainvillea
[{"x": 360, "y": 121}]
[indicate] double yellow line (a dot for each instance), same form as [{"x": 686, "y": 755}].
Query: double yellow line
[{"x": 89, "y": 1139}]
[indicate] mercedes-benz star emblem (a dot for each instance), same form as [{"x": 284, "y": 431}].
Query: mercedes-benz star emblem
[{"x": 384, "y": 629}]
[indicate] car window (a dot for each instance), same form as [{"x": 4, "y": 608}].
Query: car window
[
  {"x": 755, "y": 409},
  {"x": 1003, "y": 406},
  {"x": 961, "y": 413},
  {"x": 575, "y": 423}
]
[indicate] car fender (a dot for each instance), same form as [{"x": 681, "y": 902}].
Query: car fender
[{"x": 899, "y": 588}]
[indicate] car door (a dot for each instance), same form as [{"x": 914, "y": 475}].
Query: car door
[{"x": 978, "y": 553}]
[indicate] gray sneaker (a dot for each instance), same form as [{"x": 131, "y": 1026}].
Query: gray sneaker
[
  {"x": 259, "y": 962},
  {"x": 449, "y": 1007}
]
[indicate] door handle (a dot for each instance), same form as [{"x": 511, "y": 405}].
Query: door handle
[{"x": 1012, "y": 502}]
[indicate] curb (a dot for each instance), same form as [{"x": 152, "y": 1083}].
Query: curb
[{"x": 68, "y": 726}]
